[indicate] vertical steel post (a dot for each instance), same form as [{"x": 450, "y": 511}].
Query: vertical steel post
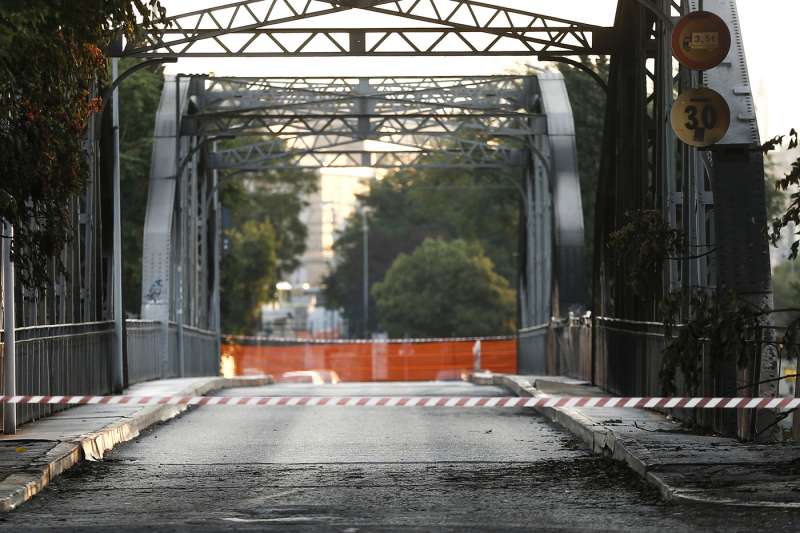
[
  {"x": 9, "y": 323},
  {"x": 179, "y": 228},
  {"x": 215, "y": 302},
  {"x": 117, "y": 371},
  {"x": 365, "y": 235}
]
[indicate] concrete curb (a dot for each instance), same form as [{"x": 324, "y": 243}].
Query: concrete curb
[
  {"x": 608, "y": 443},
  {"x": 21, "y": 487}
]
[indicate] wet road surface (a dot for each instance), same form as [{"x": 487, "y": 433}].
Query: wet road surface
[{"x": 364, "y": 469}]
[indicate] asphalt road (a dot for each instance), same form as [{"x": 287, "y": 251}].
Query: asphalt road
[{"x": 364, "y": 469}]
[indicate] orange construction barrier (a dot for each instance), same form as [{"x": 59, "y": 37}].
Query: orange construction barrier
[{"x": 401, "y": 360}]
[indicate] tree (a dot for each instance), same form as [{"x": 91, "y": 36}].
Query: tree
[
  {"x": 789, "y": 186},
  {"x": 266, "y": 236},
  {"x": 408, "y": 206},
  {"x": 445, "y": 289},
  {"x": 249, "y": 273},
  {"x": 51, "y": 66},
  {"x": 276, "y": 197}
]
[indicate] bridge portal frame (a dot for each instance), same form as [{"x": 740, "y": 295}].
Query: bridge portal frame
[
  {"x": 641, "y": 159},
  {"x": 528, "y": 148}
]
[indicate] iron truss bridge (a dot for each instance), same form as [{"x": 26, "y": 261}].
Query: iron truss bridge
[
  {"x": 268, "y": 28},
  {"x": 473, "y": 122},
  {"x": 521, "y": 126}
]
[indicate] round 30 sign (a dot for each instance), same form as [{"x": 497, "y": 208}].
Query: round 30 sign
[
  {"x": 700, "y": 117},
  {"x": 701, "y": 40}
]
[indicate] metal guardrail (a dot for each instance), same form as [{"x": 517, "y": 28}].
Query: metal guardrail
[
  {"x": 570, "y": 350},
  {"x": 153, "y": 351},
  {"x": 62, "y": 359},
  {"x": 145, "y": 350},
  {"x": 75, "y": 359},
  {"x": 200, "y": 352}
]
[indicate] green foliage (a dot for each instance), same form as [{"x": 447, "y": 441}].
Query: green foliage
[
  {"x": 51, "y": 58},
  {"x": 139, "y": 96},
  {"x": 786, "y": 281},
  {"x": 409, "y": 206},
  {"x": 445, "y": 289},
  {"x": 643, "y": 245},
  {"x": 405, "y": 208},
  {"x": 248, "y": 279},
  {"x": 270, "y": 199},
  {"x": 277, "y": 199},
  {"x": 789, "y": 184},
  {"x": 721, "y": 324},
  {"x": 776, "y": 198}
]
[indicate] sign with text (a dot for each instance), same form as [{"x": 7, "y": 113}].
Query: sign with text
[
  {"x": 701, "y": 40},
  {"x": 700, "y": 117}
]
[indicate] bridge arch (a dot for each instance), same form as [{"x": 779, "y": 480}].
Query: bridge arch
[
  {"x": 641, "y": 155},
  {"x": 324, "y": 122}
]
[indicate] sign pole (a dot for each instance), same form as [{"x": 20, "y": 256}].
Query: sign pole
[{"x": 9, "y": 323}]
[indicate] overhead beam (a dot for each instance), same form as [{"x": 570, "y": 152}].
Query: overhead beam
[
  {"x": 385, "y": 95},
  {"x": 262, "y": 28},
  {"x": 240, "y": 161},
  {"x": 370, "y": 128}
]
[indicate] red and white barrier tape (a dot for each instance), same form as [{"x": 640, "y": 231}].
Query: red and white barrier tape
[{"x": 417, "y": 401}]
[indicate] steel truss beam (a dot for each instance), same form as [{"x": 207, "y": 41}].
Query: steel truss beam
[
  {"x": 496, "y": 95},
  {"x": 378, "y": 128},
  {"x": 396, "y": 110},
  {"x": 263, "y": 28},
  {"x": 345, "y": 153}
]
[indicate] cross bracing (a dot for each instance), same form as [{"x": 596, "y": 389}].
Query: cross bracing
[
  {"x": 388, "y": 109},
  {"x": 346, "y": 153},
  {"x": 268, "y": 28},
  {"x": 431, "y": 95},
  {"x": 377, "y": 128}
]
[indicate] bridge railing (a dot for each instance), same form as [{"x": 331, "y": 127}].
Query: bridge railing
[
  {"x": 145, "y": 350},
  {"x": 200, "y": 352},
  {"x": 61, "y": 360},
  {"x": 153, "y": 351},
  {"x": 570, "y": 348},
  {"x": 74, "y": 359}
]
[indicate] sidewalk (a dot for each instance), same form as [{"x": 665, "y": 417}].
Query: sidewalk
[
  {"x": 44, "y": 449},
  {"x": 684, "y": 466}
]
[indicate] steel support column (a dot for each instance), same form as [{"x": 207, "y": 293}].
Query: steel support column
[{"x": 9, "y": 327}]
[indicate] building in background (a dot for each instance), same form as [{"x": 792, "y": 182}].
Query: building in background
[{"x": 299, "y": 311}]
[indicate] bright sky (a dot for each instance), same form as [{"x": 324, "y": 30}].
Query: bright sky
[{"x": 769, "y": 28}]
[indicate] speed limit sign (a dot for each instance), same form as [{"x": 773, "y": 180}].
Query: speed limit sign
[{"x": 700, "y": 117}]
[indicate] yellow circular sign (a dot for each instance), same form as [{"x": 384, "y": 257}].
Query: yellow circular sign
[
  {"x": 701, "y": 40},
  {"x": 700, "y": 117}
]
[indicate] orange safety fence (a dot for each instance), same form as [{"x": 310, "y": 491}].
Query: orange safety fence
[{"x": 402, "y": 360}]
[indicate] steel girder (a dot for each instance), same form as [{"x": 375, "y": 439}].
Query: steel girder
[
  {"x": 264, "y": 28},
  {"x": 372, "y": 127},
  {"x": 481, "y": 122},
  {"x": 320, "y": 122},
  {"x": 275, "y": 155},
  {"x": 420, "y": 113},
  {"x": 383, "y": 95}
]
